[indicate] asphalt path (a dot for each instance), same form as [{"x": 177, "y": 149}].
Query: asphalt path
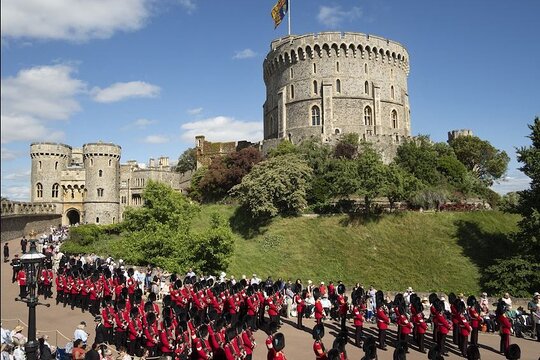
[{"x": 57, "y": 321}]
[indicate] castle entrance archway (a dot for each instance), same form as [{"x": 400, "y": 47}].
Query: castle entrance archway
[{"x": 73, "y": 216}]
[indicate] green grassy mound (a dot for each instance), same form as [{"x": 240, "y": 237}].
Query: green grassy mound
[{"x": 428, "y": 251}]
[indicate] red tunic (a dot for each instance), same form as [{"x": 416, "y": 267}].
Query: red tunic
[
  {"x": 21, "y": 278},
  {"x": 248, "y": 344},
  {"x": 504, "y": 324},
  {"x": 272, "y": 309},
  {"x": 319, "y": 311},
  {"x": 405, "y": 325},
  {"x": 343, "y": 308},
  {"x": 476, "y": 319},
  {"x": 299, "y": 303},
  {"x": 443, "y": 326},
  {"x": 464, "y": 327},
  {"x": 382, "y": 319},
  {"x": 318, "y": 350},
  {"x": 270, "y": 347},
  {"x": 421, "y": 326}
]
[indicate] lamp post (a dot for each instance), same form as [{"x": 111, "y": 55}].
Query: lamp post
[{"x": 32, "y": 263}]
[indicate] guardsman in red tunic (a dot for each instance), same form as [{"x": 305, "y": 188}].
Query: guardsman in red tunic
[
  {"x": 272, "y": 309},
  {"x": 272, "y": 328},
  {"x": 476, "y": 319},
  {"x": 134, "y": 332},
  {"x": 455, "y": 316},
  {"x": 108, "y": 314},
  {"x": 319, "y": 310},
  {"x": 251, "y": 305},
  {"x": 505, "y": 327},
  {"x": 59, "y": 282},
  {"x": 21, "y": 280},
  {"x": 443, "y": 326},
  {"x": 358, "y": 318},
  {"x": 420, "y": 325},
  {"x": 248, "y": 342},
  {"x": 382, "y": 318},
  {"x": 343, "y": 307},
  {"x": 318, "y": 346},
  {"x": 300, "y": 306},
  {"x": 464, "y": 331},
  {"x": 151, "y": 333},
  {"x": 122, "y": 322},
  {"x": 278, "y": 343},
  {"x": 405, "y": 326}
]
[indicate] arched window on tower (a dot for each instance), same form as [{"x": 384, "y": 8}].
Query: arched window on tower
[
  {"x": 56, "y": 165},
  {"x": 292, "y": 91},
  {"x": 39, "y": 190},
  {"x": 338, "y": 86},
  {"x": 55, "y": 188},
  {"x": 366, "y": 87},
  {"x": 110, "y": 162},
  {"x": 368, "y": 116},
  {"x": 100, "y": 173},
  {"x": 39, "y": 165},
  {"x": 314, "y": 68},
  {"x": 315, "y": 116},
  {"x": 100, "y": 192},
  {"x": 394, "y": 119},
  {"x": 315, "y": 87},
  {"x": 337, "y": 66},
  {"x": 365, "y": 69},
  {"x": 97, "y": 220},
  {"x": 392, "y": 91},
  {"x": 91, "y": 162},
  {"x": 292, "y": 73}
]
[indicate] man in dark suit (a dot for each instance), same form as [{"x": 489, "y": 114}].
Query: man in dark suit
[{"x": 101, "y": 332}]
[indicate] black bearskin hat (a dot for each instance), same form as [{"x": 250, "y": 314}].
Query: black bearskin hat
[
  {"x": 278, "y": 341},
  {"x": 202, "y": 331},
  {"x": 340, "y": 341},
  {"x": 134, "y": 312},
  {"x": 150, "y": 318},
  {"x": 318, "y": 332},
  {"x": 333, "y": 354},
  {"x": 187, "y": 280},
  {"x": 514, "y": 352},
  {"x": 124, "y": 292},
  {"x": 438, "y": 304},
  {"x": 230, "y": 334},
  {"x": 152, "y": 297},
  {"x": 173, "y": 278},
  {"x": 400, "y": 353},
  {"x": 370, "y": 348},
  {"x": 471, "y": 300},
  {"x": 182, "y": 325},
  {"x": 501, "y": 308},
  {"x": 249, "y": 290},
  {"x": 243, "y": 282},
  {"x": 121, "y": 304},
  {"x": 148, "y": 306},
  {"x": 177, "y": 284},
  {"x": 399, "y": 300},
  {"x": 137, "y": 296},
  {"x": 167, "y": 300},
  {"x": 210, "y": 282},
  {"x": 272, "y": 328},
  {"x": 379, "y": 299},
  {"x": 452, "y": 298},
  {"x": 130, "y": 272},
  {"x": 473, "y": 353},
  {"x": 432, "y": 298},
  {"x": 435, "y": 353},
  {"x": 218, "y": 324},
  {"x": 341, "y": 289},
  {"x": 167, "y": 321},
  {"x": 316, "y": 293},
  {"x": 460, "y": 306}
]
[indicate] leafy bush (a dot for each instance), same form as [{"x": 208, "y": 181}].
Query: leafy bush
[
  {"x": 518, "y": 275},
  {"x": 85, "y": 235}
]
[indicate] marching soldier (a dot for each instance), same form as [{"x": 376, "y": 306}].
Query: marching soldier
[
  {"x": 442, "y": 325},
  {"x": 21, "y": 279},
  {"x": 464, "y": 329},
  {"x": 319, "y": 310},
  {"x": 358, "y": 318},
  {"x": 108, "y": 314},
  {"x": 318, "y": 346},
  {"x": 474, "y": 314},
  {"x": 342, "y": 306},
  {"x": 382, "y": 318},
  {"x": 300, "y": 306}
]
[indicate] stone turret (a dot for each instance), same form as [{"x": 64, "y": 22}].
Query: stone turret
[{"x": 48, "y": 161}]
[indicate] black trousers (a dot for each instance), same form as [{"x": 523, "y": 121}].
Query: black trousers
[
  {"x": 420, "y": 342},
  {"x": 441, "y": 341},
  {"x": 463, "y": 343},
  {"x": 382, "y": 338},
  {"x": 505, "y": 343},
  {"x": 22, "y": 291},
  {"x": 109, "y": 337},
  {"x": 299, "y": 318},
  {"x": 358, "y": 335},
  {"x": 121, "y": 339},
  {"x": 343, "y": 322},
  {"x": 455, "y": 335},
  {"x": 474, "y": 336}
]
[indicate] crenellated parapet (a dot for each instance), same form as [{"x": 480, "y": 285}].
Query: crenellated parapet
[
  {"x": 17, "y": 208},
  {"x": 293, "y": 48}
]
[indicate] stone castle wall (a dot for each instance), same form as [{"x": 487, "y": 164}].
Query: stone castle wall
[{"x": 337, "y": 76}]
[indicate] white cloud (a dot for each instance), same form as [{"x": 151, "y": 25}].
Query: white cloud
[
  {"x": 333, "y": 16},
  {"x": 17, "y": 193},
  {"x": 143, "y": 123},
  {"x": 46, "y": 92},
  {"x": 27, "y": 128},
  {"x": 222, "y": 128},
  {"x": 244, "y": 54},
  {"x": 156, "y": 139},
  {"x": 195, "y": 111},
  {"x": 121, "y": 91},
  {"x": 25, "y": 174},
  {"x": 189, "y": 5},
  {"x": 74, "y": 20},
  {"x": 8, "y": 154},
  {"x": 512, "y": 183}
]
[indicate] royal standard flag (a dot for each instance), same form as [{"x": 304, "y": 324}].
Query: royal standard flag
[{"x": 279, "y": 10}]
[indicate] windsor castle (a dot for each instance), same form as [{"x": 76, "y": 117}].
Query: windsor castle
[{"x": 317, "y": 86}]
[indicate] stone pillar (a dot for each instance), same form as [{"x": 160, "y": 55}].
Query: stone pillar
[
  {"x": 282, "y": 113},
  {"x": 377, "y": 116},
  {"x": 327, "y": 108}
]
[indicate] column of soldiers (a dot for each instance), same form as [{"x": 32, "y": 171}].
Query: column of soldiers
[{"x": 198, "y": 320}]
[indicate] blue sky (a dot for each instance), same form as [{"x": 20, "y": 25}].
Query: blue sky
[{"x": 149, "y": 75}]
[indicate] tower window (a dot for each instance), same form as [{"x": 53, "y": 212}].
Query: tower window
[
  {"x": 292, "y": 91},
  {"x": 91, "y": 162},
  {"x": 314, "y": 68},
  {"x": 39, "y": 165},
  {"x": 394, "y": 119},
  {"x": 56, "y": 165},
  {"x": 55, "y": 190},
  {"x": 123, "y": 199},
  {"x": 365, "y": 69},
  {"x": 100, "y": 192},
  {"x": 315, "y": 87},
  {"x": 110, "y": 162},
  {"x": 366, "y": 87},
  {"x": 338, "y": 86},
  {"x": 292, "y": 73},
  {"x": 100, "y": 173},
  {"x": 368, "y": 118},
  {"x": 39, "y": 190},
  {"x": 97, "y": 220},
  {"x": 337, "y": 66},
  {"x": 315, "y": 116},
  {"x": 392, "y": 91}
]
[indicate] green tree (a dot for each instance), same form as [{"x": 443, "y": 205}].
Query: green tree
[
  {"x": 187, "y": 161},
  {"x": 275, "y": 186},
  {"x": 194, "y": 191},
  {"x": 210, "y": 250},
  {"x": 420, "y": 158},
  {"x": 348, "y": 146},
  {"x": 371, "y": 174},
  {"x": 284, "y": 147},
  {"x": 399, "y": 184},
  {"x": 480, "y": 157}
]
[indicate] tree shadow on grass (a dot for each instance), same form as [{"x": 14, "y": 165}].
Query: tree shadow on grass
[
  {"x": 244, "y": 224},
  {"x": 480, "y": 246},
  {"x": 364, "y": 218}
]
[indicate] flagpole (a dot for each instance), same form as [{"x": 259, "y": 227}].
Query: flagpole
[{"x": 289, "y": 11}]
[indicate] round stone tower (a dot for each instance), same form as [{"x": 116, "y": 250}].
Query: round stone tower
[
  {"x": 328, "y": 84},
  {"x": 48, "y": 161},
  {"x": 102, "y": 165}
]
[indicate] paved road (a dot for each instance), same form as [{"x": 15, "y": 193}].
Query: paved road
[{"x": 298, "y": 343}]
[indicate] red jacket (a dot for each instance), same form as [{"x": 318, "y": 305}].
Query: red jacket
[
  {"x": 318, "y": 350},
  {"x": 476, "y": 319},
  {"x": 358, "y": 316},
  {"x": 319, "y": 311},
  {"x": 382, "y": 319},
  {"x": 21, "y": 277},
  {"x": 505, "y": 325},
  {"x": 405, "y": 325},
  {"x": 299, "y": 303},
  {"x": 464, "y": 327},
  {"x": 443, "y": 326},
  {"x": 272, "y": 309},
  {"x": 420, "y": 323},
  {"x": 343, "y": 307},
  {"x": 248, "y": 344}
]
